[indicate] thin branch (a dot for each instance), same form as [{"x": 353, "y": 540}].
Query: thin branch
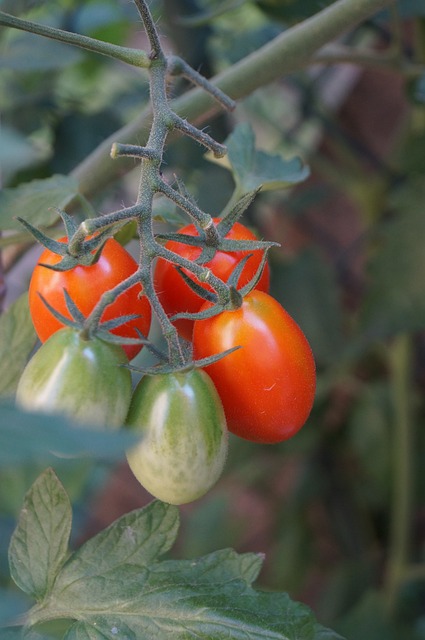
[
  {"x": 179, "y": 67},
  {"x": 150, "y": 29},
  {"x": 219, "y": 150},
  {"x": 135, "y": 57},
  {"x": 184, "y": 204},
  {"x": 133, "y": 151}
]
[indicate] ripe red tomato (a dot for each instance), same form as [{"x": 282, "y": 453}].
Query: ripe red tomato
[
  {"x": 267, "y": 386},
  {"x": 177, "y": 297},
  {"x": 85, "y": 285}
]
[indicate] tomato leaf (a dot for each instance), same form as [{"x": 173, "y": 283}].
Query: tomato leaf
[
  {"x": 208, "y": 597},
  {"x": 34, "y": 201},
  {"x": 85, "y": 631},
  {"x": 17, "y": 340},
  {"x": 39, "y": 544},
  {"x": 25, "y": 437},
  {"x": 117, "y": 559},
  {"x": 253, "y": 169},
  {"x": 116, "y": 585}
]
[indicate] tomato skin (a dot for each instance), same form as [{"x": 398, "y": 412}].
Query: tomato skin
[
  {"x": 83, "y": 379},
  {"x": 267, "y": 386},
  {"x": 85, "y": 285},
  {"x": 185, "y": 439},
  {"x": 176, "y": 296}
]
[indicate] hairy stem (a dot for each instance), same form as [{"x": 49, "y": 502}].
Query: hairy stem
[
  {"x": 151, "y": 32},
  {"x": 164, "y": 121}
]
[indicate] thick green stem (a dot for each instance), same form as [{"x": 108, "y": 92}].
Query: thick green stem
[
  {"x": 148, "y": 185},
  {"x": 400, "y": 360},
  {"x": 289, "y": 52}
]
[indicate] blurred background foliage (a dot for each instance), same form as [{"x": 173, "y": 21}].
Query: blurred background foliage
[{"x": 339, "y": 510}]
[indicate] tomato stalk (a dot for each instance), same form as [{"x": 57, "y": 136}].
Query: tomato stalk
[{"x": 151, "y": 183}]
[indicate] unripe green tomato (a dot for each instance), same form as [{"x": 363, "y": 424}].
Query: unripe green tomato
[
  {"x": 82, "y": 379},
  {"x": 184, "y": 445}
]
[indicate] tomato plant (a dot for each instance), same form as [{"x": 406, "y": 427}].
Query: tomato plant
[
  {"x": 81, "y": 378},
  {"x": 364, "y": 185},
  {"x": 176, "y": 296},
  {"x": 85, "y": 285},
  {"x": 184, "y": 445},
  {"x": 267, "y": 386}
]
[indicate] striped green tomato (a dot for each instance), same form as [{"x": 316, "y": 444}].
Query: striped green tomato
[
  {"x": 82, "y": 379},
  {"x": 184, "y": 435}
]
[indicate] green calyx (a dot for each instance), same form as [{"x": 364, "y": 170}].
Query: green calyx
[
  {"x": 74, "y": 251},
  {"x": 217, "y": 241},
  {"x": 88, "y": 329}
]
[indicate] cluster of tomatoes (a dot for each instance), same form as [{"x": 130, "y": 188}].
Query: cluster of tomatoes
[{"x": 263, "y": 391}]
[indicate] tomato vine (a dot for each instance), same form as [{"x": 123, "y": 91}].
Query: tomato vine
[{"x": 241, "y": 364}]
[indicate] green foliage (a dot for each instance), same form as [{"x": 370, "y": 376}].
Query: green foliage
[
  {"x": 252, "y": 168},
  {"x": 116, "y": 582},
  {"x": 17, "y": 340},
  {"x": 36, "y": 201},
  {"x": 322, "y": 506},
  {"x": 26, "y": 436},
  {"x": 34, "y": 565}
]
